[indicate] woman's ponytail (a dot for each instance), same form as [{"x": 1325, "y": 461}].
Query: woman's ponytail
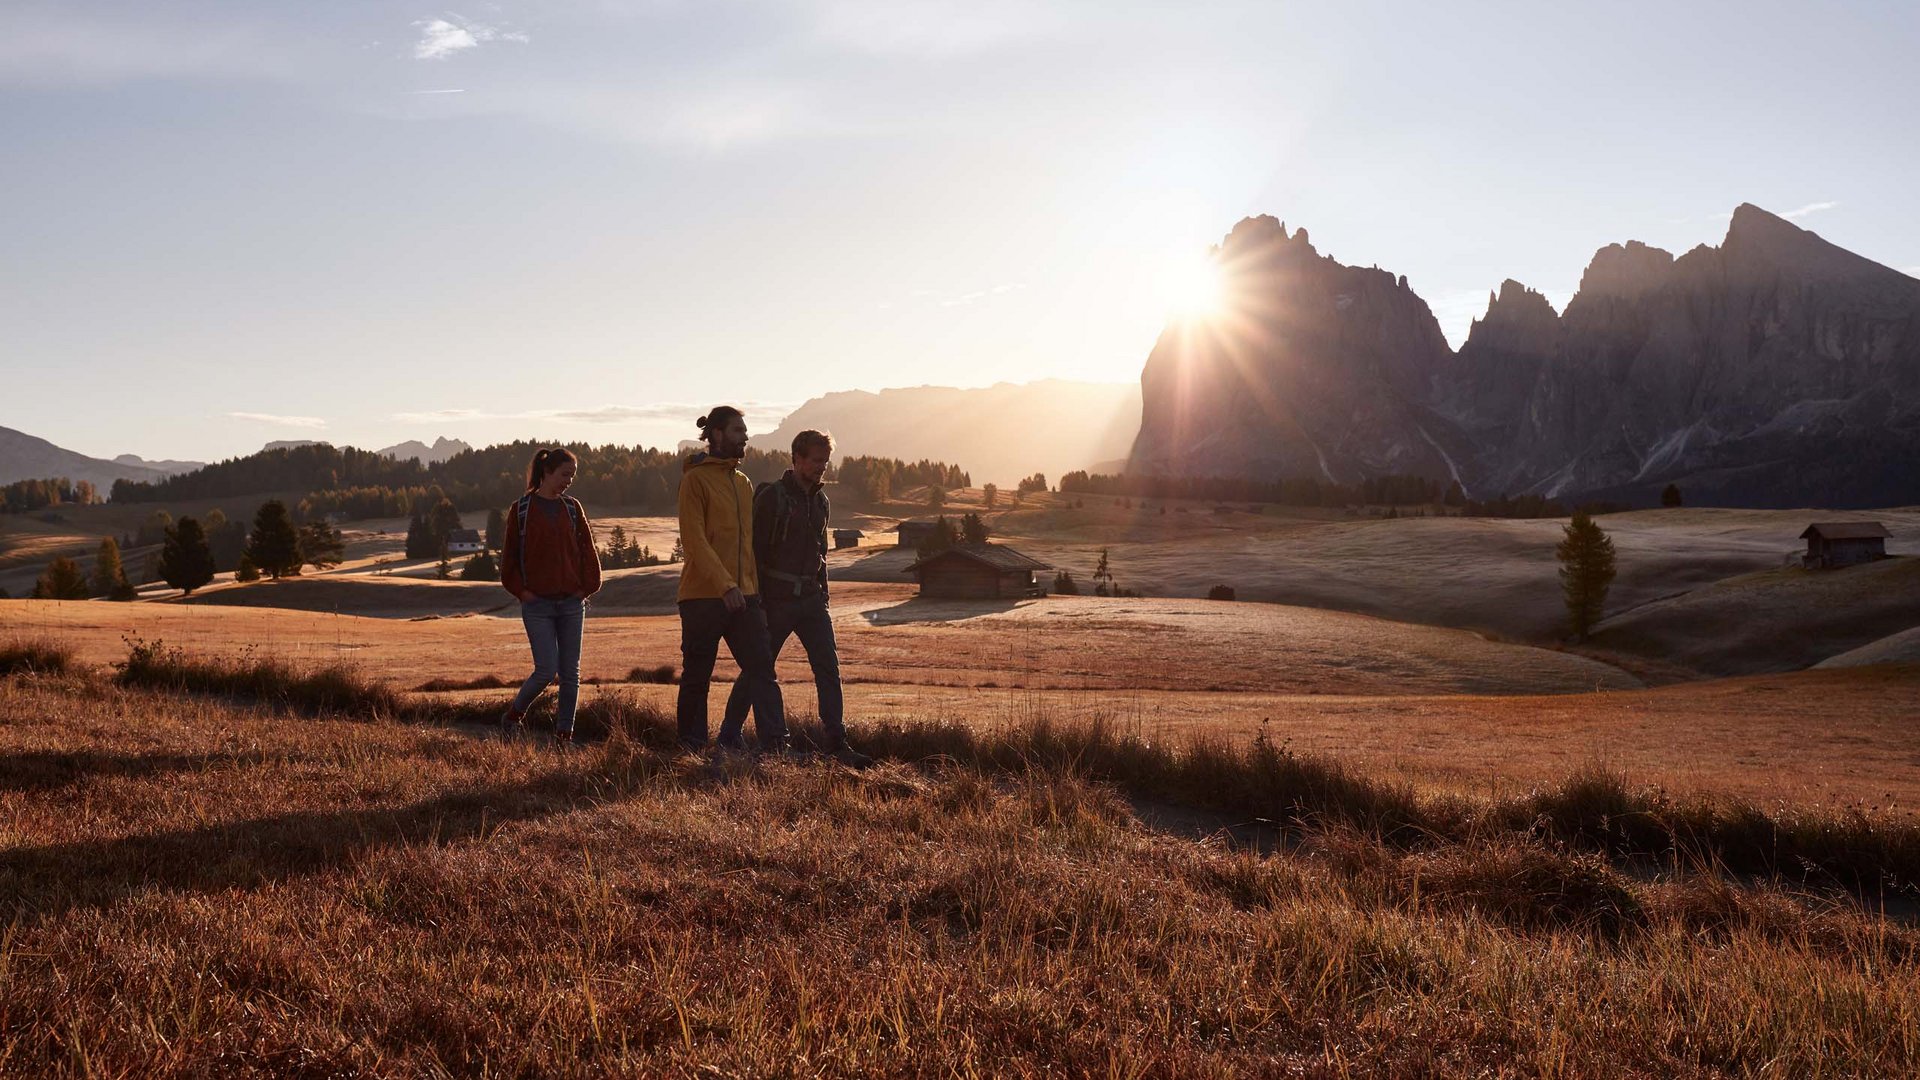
[{"x": 544, "y": 462}]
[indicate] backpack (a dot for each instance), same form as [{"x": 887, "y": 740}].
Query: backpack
[
  {"x": 520, "y": 510},
  {"x": 782, "y": 509}
]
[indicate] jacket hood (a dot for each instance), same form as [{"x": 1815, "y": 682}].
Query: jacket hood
[{"x": 704, "y": 458}]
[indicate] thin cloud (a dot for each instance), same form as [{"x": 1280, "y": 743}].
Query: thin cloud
[
  {"x": 1810, "y": 208},
  {"x": 441, "y": 38},
  {"x": 982, "y": 294},
  {"x": 281, "y": 421}
]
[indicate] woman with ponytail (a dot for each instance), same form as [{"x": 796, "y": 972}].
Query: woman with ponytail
[{"x": 548, "y": 562}]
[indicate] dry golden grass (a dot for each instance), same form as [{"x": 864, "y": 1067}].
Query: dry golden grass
[{"x": 199, "y": 888}]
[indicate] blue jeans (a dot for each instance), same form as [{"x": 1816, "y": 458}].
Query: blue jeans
[
  {"x": 554, "y": 628},
  {"x": 703, "y": 625},
  {"x": 808, "y": 619}
]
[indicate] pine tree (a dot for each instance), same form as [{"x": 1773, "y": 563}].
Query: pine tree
[
  {"x": 1102, "y": 576},
  {"x": 940, "y": 538},
  {"x": 186, "y": 562},
  {"x": 441, "y": 522},
  {"x": 616, "y": 557},
  {"x": 445, "y": 566},
  {"x": 679, "y": 553},
  {"x": 62, "y": 581},
  {"x": 496, "y": 529},
  {"x": 417, "y": 537},
  {"x": 1670, "y": 497},
  {"x": 274, "y": 544},
  {"x": 1064, "y": 585},
  {"x": 109, "y": 577},
  {"x": 973, "y": 530},
  {"x": 246, "y": 571},
  {"x": 991, "y": 493},
  {"x": 935, "y": 497},
  {"x": 1586, "y": 572},
  {"x": 320, "y": 545}
]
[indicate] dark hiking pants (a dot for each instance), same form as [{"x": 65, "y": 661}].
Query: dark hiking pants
[
  {"x": 703, "y": 624},
  {"x": 808, "y": 619}
]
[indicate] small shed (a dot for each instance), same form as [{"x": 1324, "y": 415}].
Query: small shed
[
  {"x": 846, "y": 538},
  {"x": 979, "y": 572},
  {"x": 915, "y": 533},
  {"x": 1844, "y": 543},
  {"x": 465, "y": 542}
]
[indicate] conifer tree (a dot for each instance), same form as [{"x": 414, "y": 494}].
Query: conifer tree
[
  {"x": 1102, "y": 576},
  {"x": 973, "y": 530},
  {"x": 418, "y": 537},
  {"x": 1586, "y": 572},
  {"x": 320, "y": 545},
  {"x": 274, "y": 544},
  {"x": 496, "y": 529},
  {"x": 62, "y": 581},
  {"x": 109, "y": 577},
  {"x": 186, "y": 562},
  {"x": 441, "y": 522},
  {"x": 1670, "y": 497}
]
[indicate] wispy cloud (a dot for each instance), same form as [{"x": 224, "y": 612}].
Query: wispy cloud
[
  {"x": 982, "y": 294},
  {"x": 1810, "y": 208},
  {"x": 441, "y": 38},
  {"x": 281, "y": 421}
]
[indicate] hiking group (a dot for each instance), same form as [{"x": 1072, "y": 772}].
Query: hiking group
[{"x": 755, "y": 574}]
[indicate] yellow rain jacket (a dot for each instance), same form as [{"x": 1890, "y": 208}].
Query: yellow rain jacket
[{"x": 716, "y": 529}]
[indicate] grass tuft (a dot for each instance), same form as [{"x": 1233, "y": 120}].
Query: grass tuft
[{"x": 35, "y": 656}]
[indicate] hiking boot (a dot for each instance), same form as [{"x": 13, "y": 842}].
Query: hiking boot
[
  {"x": 848, "y": 756},
  {"x": 512, "y": 724},
  {"x": 563, "y": 740}
]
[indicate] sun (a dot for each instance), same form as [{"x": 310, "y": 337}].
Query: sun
[{"x": 1192, "y": 287}]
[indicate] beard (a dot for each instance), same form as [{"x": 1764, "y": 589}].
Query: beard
[{"x": 727, "y": 448}]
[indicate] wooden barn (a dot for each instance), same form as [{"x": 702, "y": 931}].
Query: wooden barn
[
  {"x": 1844, "y": 543},
  {"x": 846, "y": 538},
  {"x": 979, "y": 572},
  {"x": 915, "y": 533}
]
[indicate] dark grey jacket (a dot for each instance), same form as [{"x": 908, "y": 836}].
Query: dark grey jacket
[{"x": 790, "y": 539}]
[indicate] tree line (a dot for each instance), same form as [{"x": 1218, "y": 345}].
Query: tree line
[
  {"x": 1392, "y": 490},
  {"x": 25, "y": 496}
]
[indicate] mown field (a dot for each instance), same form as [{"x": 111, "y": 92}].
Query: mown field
[{"x": 253, "y": 884}]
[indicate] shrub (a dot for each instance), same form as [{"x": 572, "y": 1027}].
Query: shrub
[
  {"x": 1220, "y": 592},
  {"x": 35, "y": 655},
  {"x": 480, "y": 568},
  {"x": 1064, "y": 585},
  {"x": 663, "y": 674}
]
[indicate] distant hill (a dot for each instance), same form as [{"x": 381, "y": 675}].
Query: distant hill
[
  {"x": 29, "y": 457},
  {"x": 442, "y": 449},
  {"x": 999, "y": 433},
  {"x": 168, "y": 468}
]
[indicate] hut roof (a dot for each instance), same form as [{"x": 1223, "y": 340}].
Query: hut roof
[
  {"x": 1846, "y": 530},
  {"x": 993, "y": 555},
  {"x": 463, "y": 536}
]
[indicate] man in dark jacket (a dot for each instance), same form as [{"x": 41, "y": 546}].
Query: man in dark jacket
[{"x": 790, "y": 553}]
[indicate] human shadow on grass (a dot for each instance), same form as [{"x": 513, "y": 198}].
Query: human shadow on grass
[
  {"x": 50, "y": 880},
  {"x": 50, "y": 770}
]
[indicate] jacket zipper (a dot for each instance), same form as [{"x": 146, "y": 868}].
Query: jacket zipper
[{"x": 739, "y": 542}]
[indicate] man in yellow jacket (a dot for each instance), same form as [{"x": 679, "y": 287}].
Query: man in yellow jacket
[{"x": 719, "y": 585}]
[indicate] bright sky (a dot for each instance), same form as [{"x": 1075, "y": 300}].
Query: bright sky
[{"x": 228, "y": 221}]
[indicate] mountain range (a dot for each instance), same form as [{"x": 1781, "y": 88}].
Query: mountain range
[
  {"x": 1776, "y": 369},
  {"x": 998, "y": 433}
]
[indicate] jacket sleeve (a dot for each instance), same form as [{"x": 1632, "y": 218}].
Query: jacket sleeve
[
  {"x": 589, "y": 555},
  {"x": 701, "y": 558},
  {"x": 820, "y": 537},
  {"x": 763, "y": 507},
  {"x": 510, "y": 554}
]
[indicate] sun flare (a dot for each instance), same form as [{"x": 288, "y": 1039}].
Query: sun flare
[{"x": 1193, "y": 287}]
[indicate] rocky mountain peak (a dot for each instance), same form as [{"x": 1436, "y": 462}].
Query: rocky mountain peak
[
  {"x": 1515, "y": 303},
  {"x": 1624, "y": 272}
]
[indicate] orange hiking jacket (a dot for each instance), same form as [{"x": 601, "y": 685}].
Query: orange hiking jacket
[
  {"x": 716, "y": 529},
  {"x": 559, "y": 554}
]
